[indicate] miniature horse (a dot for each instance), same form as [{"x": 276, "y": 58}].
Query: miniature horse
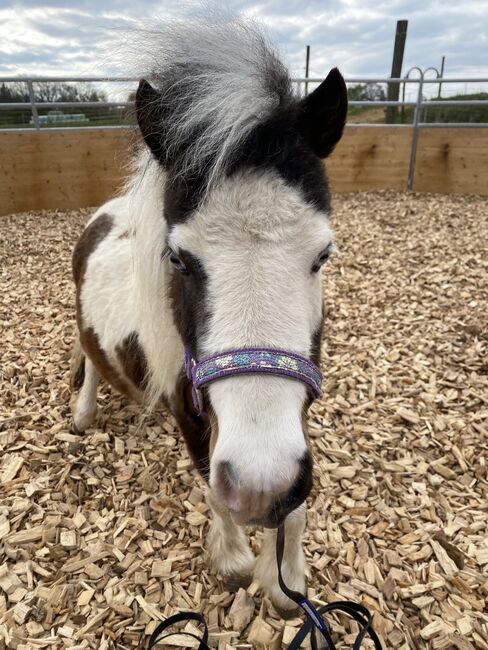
[{"x": 217, "y": 244}]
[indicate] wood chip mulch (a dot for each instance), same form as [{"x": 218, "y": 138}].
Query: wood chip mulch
[{"x": 102, "y": 535}]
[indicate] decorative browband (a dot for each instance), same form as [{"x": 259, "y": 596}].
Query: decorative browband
[{"x": 248, "y": 361}]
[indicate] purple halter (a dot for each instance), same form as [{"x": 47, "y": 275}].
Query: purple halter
[{"x": 249, "y": 361}]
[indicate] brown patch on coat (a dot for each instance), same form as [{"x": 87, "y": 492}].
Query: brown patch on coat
[
  {"x": 133, "y": 360},
  {"x": 91, "y": 345},
  {"x": 195, "y": 428},
  {"x": 79, "y": 376},
  {"x": 77, "y": 366},
  {"x": 315, "y": 353},
  {"x": 124, "y": 235},
  {"x": 315, "y": 348},
  {"x": 305, "y": 408},
  {"x": 89, "y": 239}
]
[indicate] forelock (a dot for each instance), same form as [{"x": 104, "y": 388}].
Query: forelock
[{"x": 218, "y": 79}]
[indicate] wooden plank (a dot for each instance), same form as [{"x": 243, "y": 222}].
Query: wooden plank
[
  {"x": 61, "y": 168},
  {"x": 81, "y": 168},
  {"x": 370, "y": 158},
  {"x": 452, "y": 160}
]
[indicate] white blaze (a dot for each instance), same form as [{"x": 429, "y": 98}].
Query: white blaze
[{"x": 257, "y": 240}]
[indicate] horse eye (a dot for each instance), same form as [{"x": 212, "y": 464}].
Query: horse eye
[
  {"x": 322, "y": 259},
  {"x": 176, "y": 261}
]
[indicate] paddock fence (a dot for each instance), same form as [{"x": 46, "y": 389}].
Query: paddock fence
[{"x": 48, "y": 163}]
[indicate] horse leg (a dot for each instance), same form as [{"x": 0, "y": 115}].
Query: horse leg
[
  {"x": 84, "y": 407},
  {"x": 230, "y": 553},
  {"x": 292, "y": 568}
]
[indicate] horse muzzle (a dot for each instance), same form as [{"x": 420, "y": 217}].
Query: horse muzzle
[{"x": 267, "y": 508}]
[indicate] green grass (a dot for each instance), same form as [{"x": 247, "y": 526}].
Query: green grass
[{"x": 454, "y": 114}]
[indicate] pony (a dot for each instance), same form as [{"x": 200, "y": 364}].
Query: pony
[{"x": 216, "y": 243}]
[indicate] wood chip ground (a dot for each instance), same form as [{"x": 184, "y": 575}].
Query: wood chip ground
[{"x": 102, "y": 535}]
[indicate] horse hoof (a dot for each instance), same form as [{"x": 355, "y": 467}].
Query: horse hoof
[
  {"x": 287, "y": 614},
  {"x": 235, "y": 581}
]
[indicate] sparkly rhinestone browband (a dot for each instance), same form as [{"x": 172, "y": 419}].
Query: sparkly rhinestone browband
[{"x": 248, "y": 361}]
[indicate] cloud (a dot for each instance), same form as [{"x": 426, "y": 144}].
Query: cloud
[{"x": 48, "y": 38}]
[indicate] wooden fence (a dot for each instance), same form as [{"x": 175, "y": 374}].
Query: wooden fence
[{"x": 84, "y": 167}]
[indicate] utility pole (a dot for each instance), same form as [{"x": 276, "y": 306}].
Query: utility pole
[
  {"x": 307, "y": 67},
  {"x": 396, "y": 69}
]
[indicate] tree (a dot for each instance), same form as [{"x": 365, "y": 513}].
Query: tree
[
  {"x": 62, "y": 92},
  {"x": 17, "y": 92},
  {"x": 366, "y": 92},
  {"x": 51, "y": 92},
  {"x": 13, "y": 92}
]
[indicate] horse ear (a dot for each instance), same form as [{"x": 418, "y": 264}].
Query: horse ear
[
  {"x": 322, "y": 114},
  {"x": 149, "y": 113}
]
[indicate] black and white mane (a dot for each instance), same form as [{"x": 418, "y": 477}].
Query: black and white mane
[{"x": 222, "y": 99}]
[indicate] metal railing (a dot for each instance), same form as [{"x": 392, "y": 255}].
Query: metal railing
[{"x": 418, "y": 105}]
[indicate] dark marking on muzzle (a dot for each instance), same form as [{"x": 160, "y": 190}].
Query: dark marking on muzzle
[{"x": 296, "y": 495}]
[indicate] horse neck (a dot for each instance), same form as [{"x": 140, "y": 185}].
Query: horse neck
[{"x": 159, "y": 336}]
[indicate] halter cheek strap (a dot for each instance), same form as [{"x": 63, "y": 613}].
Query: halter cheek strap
[{"x": 249, "y": 361}]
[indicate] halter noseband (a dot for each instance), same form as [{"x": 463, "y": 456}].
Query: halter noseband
[{"x": 250, "y": 361}]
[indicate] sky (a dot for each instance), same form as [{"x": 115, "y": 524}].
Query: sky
[{"x": 58, "y": 37}]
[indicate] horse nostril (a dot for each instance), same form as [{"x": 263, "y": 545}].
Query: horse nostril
[
  {"x": 301, "y": 488},
  {"x": 295, "y": 496}
]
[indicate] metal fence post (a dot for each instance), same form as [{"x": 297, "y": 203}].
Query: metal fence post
[
  {"x": 415, "y": 135},
  {"x": 307, "y": 67},
  {"x": 35, "y": 116}
]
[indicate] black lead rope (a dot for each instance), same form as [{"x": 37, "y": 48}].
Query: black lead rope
[
  {"x": 314, "y": 625},
  {"x": 315, "y": 622},
  {"x": 177, "y": 618}
]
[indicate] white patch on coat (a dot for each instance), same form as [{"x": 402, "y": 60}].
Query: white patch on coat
[
  {"x": 125, "y": 284},
  {"x": 257, "y": 240}
]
